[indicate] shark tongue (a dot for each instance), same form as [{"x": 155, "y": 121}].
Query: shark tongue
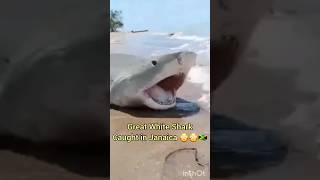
[
  {"x": 160, "y": 95},
  {"x": 164, "y": 92}
]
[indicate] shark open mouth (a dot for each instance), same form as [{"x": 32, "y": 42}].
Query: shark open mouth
[{"x": 164, "y": 92}]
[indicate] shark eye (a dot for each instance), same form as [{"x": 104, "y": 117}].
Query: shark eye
[{"x": 154, "y": 62}]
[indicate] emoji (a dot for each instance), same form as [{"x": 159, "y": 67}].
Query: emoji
[
  {"x": 203, "y": 137},
  {"x": 193, "y": 137},
  {"x": 184, "y": 137}
]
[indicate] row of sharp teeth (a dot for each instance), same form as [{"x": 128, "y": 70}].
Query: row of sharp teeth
[{"x": 170, "y": 101}]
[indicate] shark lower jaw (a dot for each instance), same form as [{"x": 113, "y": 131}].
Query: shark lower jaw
[{"x": 162, "y": 95}]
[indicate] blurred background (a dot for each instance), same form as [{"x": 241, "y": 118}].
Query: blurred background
[{"x": 275, "y": 81}]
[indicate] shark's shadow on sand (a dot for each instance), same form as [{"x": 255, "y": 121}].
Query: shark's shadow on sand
[{"x": 183, "y": 108}]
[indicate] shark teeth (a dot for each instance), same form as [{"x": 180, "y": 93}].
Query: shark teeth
[{"x": 161, "y": 96}]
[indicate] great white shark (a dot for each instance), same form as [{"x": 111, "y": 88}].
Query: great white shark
[
  {"x": 57, "y": 94},
  {"x": 53, "y": 58},
  {"x": 137, "y": 81}
]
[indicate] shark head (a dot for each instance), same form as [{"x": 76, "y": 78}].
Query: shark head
[{"x": 154, "y": 84}]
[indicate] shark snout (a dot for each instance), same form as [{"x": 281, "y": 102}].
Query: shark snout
[{"x": 187, "y": 58}]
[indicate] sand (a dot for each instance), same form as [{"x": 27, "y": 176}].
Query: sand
[{"x": 145, "y": 160}]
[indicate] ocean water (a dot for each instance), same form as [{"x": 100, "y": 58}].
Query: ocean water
[{"x": 151, "y": 45}]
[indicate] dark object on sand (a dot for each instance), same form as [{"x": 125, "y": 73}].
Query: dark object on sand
[
  {"x": 139, "y": 31},
  {"x": 239, "y": 148},
  {"x": 171, "y": 34}
]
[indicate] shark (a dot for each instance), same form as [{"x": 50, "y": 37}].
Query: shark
[
  {"x": 53, "y": 86},
  {"x": 57, "y": 94},
  {"x": 153, "y": 83}
]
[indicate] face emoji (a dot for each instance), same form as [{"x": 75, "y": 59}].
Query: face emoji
[
  {"x": 184, "y": 137},
  {"x": 193, "y": 137}
]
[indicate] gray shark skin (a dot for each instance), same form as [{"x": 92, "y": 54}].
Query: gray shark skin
[
  {"x": 53, "y": 86},
  {"x": 57, "y": 94},
  {"x": 136, "y": 82},
  {"x": 53, "y": 62},
  {"x": 27, "y": 26}
]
